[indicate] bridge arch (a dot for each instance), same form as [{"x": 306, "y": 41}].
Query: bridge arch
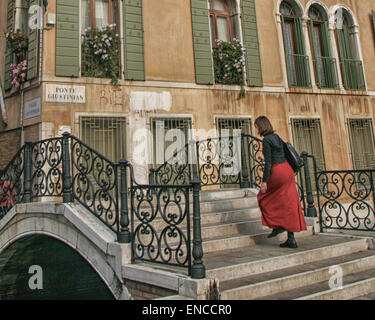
[{"x": 73, "y": 227}]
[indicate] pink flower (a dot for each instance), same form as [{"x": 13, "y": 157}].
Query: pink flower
[{"x": 23, "y": 75}]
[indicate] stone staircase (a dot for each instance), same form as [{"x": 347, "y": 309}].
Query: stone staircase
[
  {"x": 247, "y": 265},
  {"x": 231, "y": 219}
]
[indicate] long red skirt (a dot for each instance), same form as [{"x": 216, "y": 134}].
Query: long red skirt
[{"x": 280, "y": 204}]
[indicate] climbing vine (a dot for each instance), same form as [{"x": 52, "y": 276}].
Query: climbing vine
[
  {"x": 100, "y": 53},
  {"x": 229, "y": 63}
]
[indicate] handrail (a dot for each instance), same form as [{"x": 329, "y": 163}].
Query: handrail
[{"x": 66, "y": 167}]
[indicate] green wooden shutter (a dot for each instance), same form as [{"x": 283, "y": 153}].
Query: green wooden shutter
[
  {"x": 8, "y": 53},
  {"x": 133, "y": 40},
  {"x": 373, "y": 20},
  {"x": 251, "y": 43},
  {"x": 201, "y": 41},
  {"x": 67, "y": 38},
  {"x": 303, "y": 64},
  {"x": 331, "y": 62},
  {"x": 32, "y": 50}
]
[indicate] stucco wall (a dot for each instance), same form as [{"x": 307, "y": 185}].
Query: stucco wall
[{"x": 168, "y": 40}]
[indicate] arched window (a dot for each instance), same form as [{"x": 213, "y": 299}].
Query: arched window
[
  {"x": 220, "y": 21},
  {"x": 325, "y": 66},
  {"x": 295, "y": 54},
  {"x": 350, "y": 62}
]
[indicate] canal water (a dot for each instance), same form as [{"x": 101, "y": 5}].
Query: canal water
[{"x": 39, "y": 267}]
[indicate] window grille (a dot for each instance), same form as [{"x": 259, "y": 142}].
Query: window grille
[
  {"x": 160, "y": 128},
  {"x": 231, "y": 124},
  {"x": 106, "y": 135},
  {"x": 307, "y": 136},
  {"x": 362, "y": 143}
]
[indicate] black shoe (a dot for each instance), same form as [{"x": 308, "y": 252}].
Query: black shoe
[
  {"x": 275, "y": 232},
  {"x": 289, "y": 244}
]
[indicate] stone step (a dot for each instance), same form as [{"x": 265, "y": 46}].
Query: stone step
[
  {"x": 210, "y": 206},
  {"x": 251, "y": 226},
  {"x": 226, "y": 194},
  {"x": 212, "y": 218},
  {"x": 175, "y": 297},
  {"x": 363, "y": 283},
  {"x": 228, "y": 205},
  {"x": 230, "y": 264},
  {"x": 247, "y": 239},
  {"x": 369, "y": 296},
  {"x": 277, "y": 282},
  {"x": 354, "y": 286}
]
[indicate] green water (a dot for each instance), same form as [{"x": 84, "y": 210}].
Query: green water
[{"x": 65, "y": 275}]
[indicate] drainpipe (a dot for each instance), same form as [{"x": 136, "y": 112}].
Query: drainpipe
[
  {"x": 2, "y": 106},
  {"x": 23, "y": 90}
]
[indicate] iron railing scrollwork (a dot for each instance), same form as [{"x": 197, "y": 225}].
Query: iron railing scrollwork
[
  {"x": 65, "y": 167},
  {"x": 161, "y": 224},
  {"x": 95, "y": 182},
  {"x": 12, "y": 183},
  {"x": 345, "y": 199},
  {"x": 225, "y": 160}
]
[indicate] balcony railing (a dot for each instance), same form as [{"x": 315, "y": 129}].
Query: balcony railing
[
  {"x": 326, "y": 72},
  {"x": 298, "y": 70},
  {"x": 352, "y": 74}
]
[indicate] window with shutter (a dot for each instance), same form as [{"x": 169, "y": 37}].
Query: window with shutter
[
  {"x": 100, "y": 45},
  {"x": 295, "y": 53},
  {"x": 324, "y": 64},
  {"x": 350, "y": 64}
]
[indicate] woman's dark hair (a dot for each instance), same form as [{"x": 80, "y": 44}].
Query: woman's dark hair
[{"x": 264, "y": 125}]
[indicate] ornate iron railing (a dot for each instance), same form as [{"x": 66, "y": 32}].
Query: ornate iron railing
[
  {"x": 326, "y": 72},
  {"x": 352, "y": 73},
  {"x": 12, "y": 183},
  {"x": 65, "y": 167},
  {"x": 46, "y": 178},
  {"x": 94, "y": 182},
  {"x": 218, "y": 161},
  {"x": 345, "y": 199},
  {"x": 159, "y": 216}
]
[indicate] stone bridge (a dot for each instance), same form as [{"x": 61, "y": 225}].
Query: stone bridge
[{"x": 107, "y": 261}]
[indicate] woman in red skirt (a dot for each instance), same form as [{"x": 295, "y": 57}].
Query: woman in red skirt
[{"x": 278, "y": 197}]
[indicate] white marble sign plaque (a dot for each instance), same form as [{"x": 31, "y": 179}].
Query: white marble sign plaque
[
  {"x": 33, "y": 108},
  {"x": 65, "y": 93}
]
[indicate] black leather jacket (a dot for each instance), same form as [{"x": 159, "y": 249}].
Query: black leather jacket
[{"x": 273, "y": 152}]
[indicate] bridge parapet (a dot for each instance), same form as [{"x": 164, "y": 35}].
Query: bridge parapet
[{"x": 75, "y": 226}]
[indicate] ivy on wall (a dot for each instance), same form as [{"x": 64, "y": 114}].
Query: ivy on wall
[
  {"x": 229, "y": 63},
  {"x": 100, "y": 53}
]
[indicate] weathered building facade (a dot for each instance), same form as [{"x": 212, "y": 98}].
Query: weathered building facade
[{"x": 309, "y": 67}]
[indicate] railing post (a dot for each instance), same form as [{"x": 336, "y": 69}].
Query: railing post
[
  {"x": 198, "y": 269},
  {"x": 27, "y": 188},
  {"x": 124, "y": 233},
  {"x": 311, "y": 210},
  {"x": 151, "y": 177},
  {"x": 194, "y": 159},
  {"x": 66, "y": 174},
  {"x": 244, "y": 170}
]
